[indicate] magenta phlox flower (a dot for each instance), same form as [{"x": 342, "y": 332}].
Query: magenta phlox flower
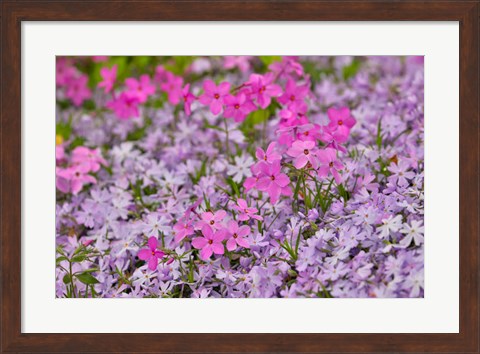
[
  {"x": 341, "y": 121},
  {"x": 77, "y": 89},
  {"x": 263, "y": 89},
  {"x": 213, "y": 220},
  {"x": 214, "y": 96},
  {"x": 245, "y": 212},
  {"x": 294, "y": 96},
  {"x": 124, "y": 106},
  {"x": 238, "y": 107},
  {"x": 237, "y": 235},
  {"x": 287, "y": 66},
  {"x": 210, "y": 242},
  {"x": 139, "y": 89},
  {"x": 188, "y": 99},
  {"x": 173, "y": 87},
  {"x": 273, "y": 181},
  {"x": 73, "y": 178},
  {"x": 182, "y": 229},
  {"x": 151, "y": 254},
  {"x": 304, "y": 154},
  {"x": 270, "y": 155},
  {"x": 90, "y": 157},
  {"x": 109, "y": 75},
  {"x": 329, "y": 164},
  {"x": 242, "y": 62}
]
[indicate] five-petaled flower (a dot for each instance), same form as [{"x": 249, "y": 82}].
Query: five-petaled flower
[{"x": 151, "y": 254}]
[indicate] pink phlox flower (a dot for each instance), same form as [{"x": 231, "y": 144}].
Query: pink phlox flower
[
  {"x": 91, "y": 157},
  {"x": 263, "y": 88},
  {"x": 273, "y": 181},
  {"x": 73, "y": 178},
  {"x": 109, "y": 76},
  {"x": 99, "y": 58},
  {"x": 241, "y": 62},
  {"x": 238, "y": 107},
  {"x": 183, "y": 228},
  {"x": 251, "y": 182},
  {"x": 140, "y": 89},
  {"x": 245, "y": 212},
  {"x": 64, "y": 72},
  {"x": 294, "y": 96},
  {"x": 304, "y": 154},
  {"x": 330, "y": 139},
  {"x": 151, "y": 254},
  {"x": 291, "y": 118},
  {"x": 192, "y": 208},
  {"x": 173, "y": 87},
  {"x": 213, "y": 220},
  {"x": 341, "y": 121},
  {"x": 77, "y": 90},
  {"x": 210, "y": 243},
  {"x": 329, "y": 164},
  {"x": 188, "y": 98},
  {"x": 287, "y": 66},
  {"x": 270, "y": 155},
  {"x": 309, "y": 132},
  {"x": 124, "y": 106},
  {"x": 237, "y": 235},
  {"x": 161, "y": 74},
  {"x": 59, "y": 153},
  {"x": 214, "y": 95}
]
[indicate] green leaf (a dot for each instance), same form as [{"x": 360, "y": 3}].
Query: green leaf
[
  {"x": 89, "y": 105},
  {"x": 78, "y": 141},
  {"x": 78, "y": 259},
  {"x": 351, "y": 70},
  {"x": 267, "y": 60},
  {"x": 67, "y": 279},
  {"x": 64, "y": 129},
  {"x": 91, "y": 270},
  {"x": 61, "y": 259},
  {"x": 87, "y": 278},
  {"x": 379, "y": 134},
  {"x": 233, "y": 184}
]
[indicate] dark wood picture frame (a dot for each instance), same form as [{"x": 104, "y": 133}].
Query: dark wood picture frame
[{"x": 12, "y": 15}]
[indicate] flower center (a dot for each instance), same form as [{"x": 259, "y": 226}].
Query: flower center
[
  {"x": 272, "y": 178},
  {"x": 330, "y": 164},
  {"x": 237, "y": 106},
  {"x": 153, "y": 253},
  {"x": 292, "y": 98},
  {"x": 340, "y": 122},
  {"x": 306, "y": 152},
  {"x": 77, "y": 174},
  {"x": 235, "y": 235},
  {"x": 212, "y": 222},
  {"x": 210, "y": 242},
  {"x": 217, "y": 96}
]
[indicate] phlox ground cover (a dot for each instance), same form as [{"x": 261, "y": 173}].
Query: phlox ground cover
[{"x": 239, "y": 177}]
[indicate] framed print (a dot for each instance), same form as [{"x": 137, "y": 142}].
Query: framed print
[{"x": 230, "y": 177}]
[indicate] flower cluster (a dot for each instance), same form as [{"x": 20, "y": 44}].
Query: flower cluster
[{"x": 239, "y": 177}]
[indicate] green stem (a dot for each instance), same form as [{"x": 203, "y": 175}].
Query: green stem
[{"x": 71, "y": 279}]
